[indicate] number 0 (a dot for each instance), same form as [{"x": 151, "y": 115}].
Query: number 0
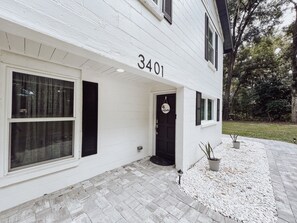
[{"x": 157, "y": 68}]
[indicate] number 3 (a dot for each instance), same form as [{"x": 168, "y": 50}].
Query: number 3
[{"x": 142, "y": 64}]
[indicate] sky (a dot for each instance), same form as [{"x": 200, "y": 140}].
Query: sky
[{"x": 288, "y": 17}]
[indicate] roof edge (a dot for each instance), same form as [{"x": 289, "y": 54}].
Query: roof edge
[{"x": 225, "y": 23}]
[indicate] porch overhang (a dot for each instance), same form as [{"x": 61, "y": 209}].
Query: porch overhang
[{"x": 75, "y": 56}]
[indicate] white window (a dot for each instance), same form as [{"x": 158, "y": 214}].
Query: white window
[
  {"x": 41, "y": 119},
  {"x": 211, "y": 45},
  {"x": 210, "y": 109},
  {"x": 207, "y": 110},
  {"x": 160, "y": 8},
  {"x": 203, "y": 109},
  {"x": 40, "y": 116},
  {"x": 157, "y": 2}
]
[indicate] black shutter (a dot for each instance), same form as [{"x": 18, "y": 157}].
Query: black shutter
[
  {"x": 90, "y": 118},
  {"x": 206, "y": 37},
  {"x": 218, "y": 109},
  {"x": 167, "y": 10},
  {"x": 198, "y": 108},
  {"x": 216, "y": 52}
]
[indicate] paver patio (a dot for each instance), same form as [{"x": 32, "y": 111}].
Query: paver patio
[
  {"x": 144, "y": 192},
  {"x": 282, "y": 159}
]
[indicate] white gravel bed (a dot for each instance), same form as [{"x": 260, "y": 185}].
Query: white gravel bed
[{"x": 242, "y": 188}]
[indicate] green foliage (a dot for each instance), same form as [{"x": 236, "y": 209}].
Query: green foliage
[
  {"x": 207, "y": 150},
  {"x": 272, "y": 100},
  {"x": 251, "y": 21},
  {"x": 261, "y": 89}
]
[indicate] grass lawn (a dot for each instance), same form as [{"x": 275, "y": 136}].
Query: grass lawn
[{"x": 274, "y": 131}]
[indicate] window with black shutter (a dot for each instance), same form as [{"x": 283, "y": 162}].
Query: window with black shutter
[
  {"x": 218, "y": 109},
  {"x": 211, "y": 43},
  {"x": 160, "y": 8},
  {"x": 167, "y": 10},
  {"x": 198, "y": 108}
]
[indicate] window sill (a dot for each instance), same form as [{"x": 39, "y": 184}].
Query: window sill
[
  {"x": 37, "y": 171},
  {"x": 153, "y": 8},
  {"x": 211, "y": 66},
  {"x": 209, "y": 123}
]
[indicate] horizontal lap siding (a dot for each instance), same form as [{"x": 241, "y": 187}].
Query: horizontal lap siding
[
  {"x": 120, "y": 30},
  {"x": 123, "y": 120},
  {"x": 123, "y": 29}
]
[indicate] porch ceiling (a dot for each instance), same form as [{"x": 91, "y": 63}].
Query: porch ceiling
[{"x": 24, "y": 46}]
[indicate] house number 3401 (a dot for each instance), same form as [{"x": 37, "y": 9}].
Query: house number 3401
[{"x": 151, "y": 66}]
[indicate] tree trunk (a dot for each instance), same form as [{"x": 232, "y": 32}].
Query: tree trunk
[
  {"x": 294, "y": 108},
  {"x": 294, "y": 70},
  {"x": 227, "y": 87}
]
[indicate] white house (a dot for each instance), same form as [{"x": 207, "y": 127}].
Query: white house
[{"x": 90, "y": 85}]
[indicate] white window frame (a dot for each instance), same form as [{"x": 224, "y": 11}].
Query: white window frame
[
  {"x": 154, "y": 8},
  {"x": 211, "y": 29},
  {"x": 205, "y": 109},
  {"x": 206, "y": 122},
  {"x": 17, "y": 175},
  {"x": 212, "y": 109}
]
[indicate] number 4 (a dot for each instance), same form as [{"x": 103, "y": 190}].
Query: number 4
[{"x": 149, "y": 65}]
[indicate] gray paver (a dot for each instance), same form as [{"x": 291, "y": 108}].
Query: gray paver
[
  {"x": 83, "y": 218},
  {"x": 144, "y": 192},
  {"x": 282, "y": 158}
]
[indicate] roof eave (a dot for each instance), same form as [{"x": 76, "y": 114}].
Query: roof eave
[{"x": 225, "y": 23}]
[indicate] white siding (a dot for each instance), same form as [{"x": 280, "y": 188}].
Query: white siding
[
  {"x": 78, "y": 33},
  {"x": 120, "y": 30},
  {"x": 123, "y": 125}
]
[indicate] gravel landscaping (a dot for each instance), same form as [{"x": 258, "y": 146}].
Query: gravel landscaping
[{"x": 242, "y": 188}]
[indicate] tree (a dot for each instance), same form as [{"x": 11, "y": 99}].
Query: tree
[
  {"x": 271, "y": 99},
  {"x": 250, "y": 19},
  {"x": 293, "y": 32},
  {"x": 261, "y": 85}
]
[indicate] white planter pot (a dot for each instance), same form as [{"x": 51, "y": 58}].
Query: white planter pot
[
  {"x": 236, "y": 145},
  {"x": 214, "y": 165}
]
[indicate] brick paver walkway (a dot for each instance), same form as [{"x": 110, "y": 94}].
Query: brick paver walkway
[
  {"x": 283, "y": 171},
  {"x": 144, "y": 192},
  {"x": 139, "y": 192}
]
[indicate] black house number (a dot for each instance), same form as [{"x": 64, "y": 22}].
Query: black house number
[{"x": 151, "y": 66}]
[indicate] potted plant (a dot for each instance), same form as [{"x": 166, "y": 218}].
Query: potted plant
[
  {"x": 214, "y": 163},
  {"x": 236, "y": 144}
]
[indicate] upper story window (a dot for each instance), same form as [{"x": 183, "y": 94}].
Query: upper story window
[
  {"x": 211, "y": 43},
  {"x": 160, "y": 8}
]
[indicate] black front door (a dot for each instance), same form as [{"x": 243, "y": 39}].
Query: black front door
[{"x": 165, "y": 126}]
